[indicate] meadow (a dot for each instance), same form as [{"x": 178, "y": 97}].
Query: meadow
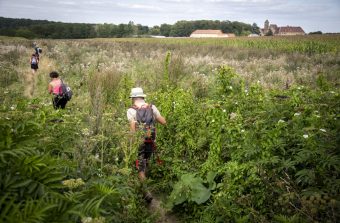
[{"x": 252, "y": 130}]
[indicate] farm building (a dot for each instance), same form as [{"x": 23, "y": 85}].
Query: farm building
[
  {"x": 203, "y": 33},
  {"x": 281, "y": 31},
  {"x": 290, "y": 30}
]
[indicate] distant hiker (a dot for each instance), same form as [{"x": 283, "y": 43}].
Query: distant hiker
[
  {"x": 37, "y": 50},
  {"x": 34, "y": 61},
  {"x": 54, "y": 88},
  {"x": 143, "y": 116}
]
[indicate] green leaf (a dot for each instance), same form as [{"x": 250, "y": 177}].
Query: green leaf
[
  {"x": 210, "y": 179},
  {"x": 200, "y": 193}
]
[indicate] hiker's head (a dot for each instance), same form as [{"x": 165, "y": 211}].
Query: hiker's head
[
  {"x": 137, "y": 93},
  {"x": 54, "y": 74}
]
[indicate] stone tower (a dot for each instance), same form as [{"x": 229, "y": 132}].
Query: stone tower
[{"x": 266, "y": 26}]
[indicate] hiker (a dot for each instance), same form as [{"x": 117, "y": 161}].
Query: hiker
[
  {"x": 34, "y": 61},
  {"x": 143, "y": 116},
  {"x": 54, "y": 88},
  {"x": 37, "y": 50}
]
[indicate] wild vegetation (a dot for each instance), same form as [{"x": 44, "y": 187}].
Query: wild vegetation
[{"x": 252, "y": 133}]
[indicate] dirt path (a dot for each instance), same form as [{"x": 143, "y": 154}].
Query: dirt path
[
  {"x": 30, "y": 83},
  {"x": 156, "y": 206},
  {"x": 31, "y": 79}
]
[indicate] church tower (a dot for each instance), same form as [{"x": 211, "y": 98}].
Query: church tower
[{"x": 266, "y": 26}]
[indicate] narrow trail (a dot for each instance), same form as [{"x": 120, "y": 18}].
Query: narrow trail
[
  {"x": 156, "y": 206},
  {"x": 31, "y": 79}
]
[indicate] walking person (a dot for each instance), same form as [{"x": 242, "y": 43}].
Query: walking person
[
  {"x": 37, "y": 50},
  {"x": 143, "y": 116},
  {"x": 54, "y": 88},
  {"x": 34, "y": 61}
]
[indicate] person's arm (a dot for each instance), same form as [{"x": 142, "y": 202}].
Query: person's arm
[
  {"x": 132, "y": 121},
  {"x": 158, "y": 116},
  {"x": 50, "y": 88},
  {"x": 161, "y": 119},
  {"x": 132, "y": 126}
]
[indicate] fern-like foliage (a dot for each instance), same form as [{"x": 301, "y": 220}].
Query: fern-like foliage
[{"x": 288, "y": 219}]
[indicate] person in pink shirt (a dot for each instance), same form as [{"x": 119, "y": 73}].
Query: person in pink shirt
[{"x": 54, "y": 88}]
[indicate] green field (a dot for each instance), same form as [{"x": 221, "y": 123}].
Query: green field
[{"x": 252, "y": 130}]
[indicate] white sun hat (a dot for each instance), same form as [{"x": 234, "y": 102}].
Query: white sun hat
[{"x": 137, "y": 93}]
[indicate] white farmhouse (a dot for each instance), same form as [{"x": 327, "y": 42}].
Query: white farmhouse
[{"x": 206, "y": 33}]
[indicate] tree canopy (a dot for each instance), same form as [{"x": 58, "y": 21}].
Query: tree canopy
[{"x": 57, "y": 30}]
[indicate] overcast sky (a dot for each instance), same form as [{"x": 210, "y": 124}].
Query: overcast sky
[{"x": 311, "y": 15}]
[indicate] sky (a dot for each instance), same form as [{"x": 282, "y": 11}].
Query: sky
[{"x": 311, "y": 15}]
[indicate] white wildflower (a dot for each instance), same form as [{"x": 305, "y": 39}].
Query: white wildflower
[
  {"x": 242, "y": 130},
  {"x": 305, "y": 136},
  {"x": 233, "y": 115},
  {"x": 323, "y": 130},
  {"x": 86, "y": 220},
  {"x": 231, "y": 87},
  {"x": 85, "y": 132},
  {"x": 246, "y": 91},
  {"x": 224, "y": 110},
  {"x": 12, "y": 107},
  {"x": 297, "y": 114},
  {"x": 213, "y": 120},
  {"x": 281, "y": 121}
]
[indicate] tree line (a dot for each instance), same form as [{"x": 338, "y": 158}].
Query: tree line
[{"x": 58, "y": 30}]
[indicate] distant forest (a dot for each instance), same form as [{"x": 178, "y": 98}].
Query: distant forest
[{"x": 57, "y": 30}]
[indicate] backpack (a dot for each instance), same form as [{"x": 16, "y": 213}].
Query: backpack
[
  {"x": 38, "y": 50},
  {"x": 65, "y": 91},
  {"x": 146, "y": 122}
]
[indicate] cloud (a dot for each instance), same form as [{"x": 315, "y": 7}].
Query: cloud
[
  {"x": 139, "y": 6},
  {"x": 240, "y": 1},
  {"x": 66, "y": 3},
  {"x": 177, "y": 1}
]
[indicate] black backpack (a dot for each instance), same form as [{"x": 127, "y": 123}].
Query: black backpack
[
  {"x": 65, "y": 91},
  {"x": 146, "y": 122}
]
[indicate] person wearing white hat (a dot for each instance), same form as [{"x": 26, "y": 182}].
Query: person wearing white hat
[
  {"x": 137, "y": 95},
  {"x": 143, "y": 116}
]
